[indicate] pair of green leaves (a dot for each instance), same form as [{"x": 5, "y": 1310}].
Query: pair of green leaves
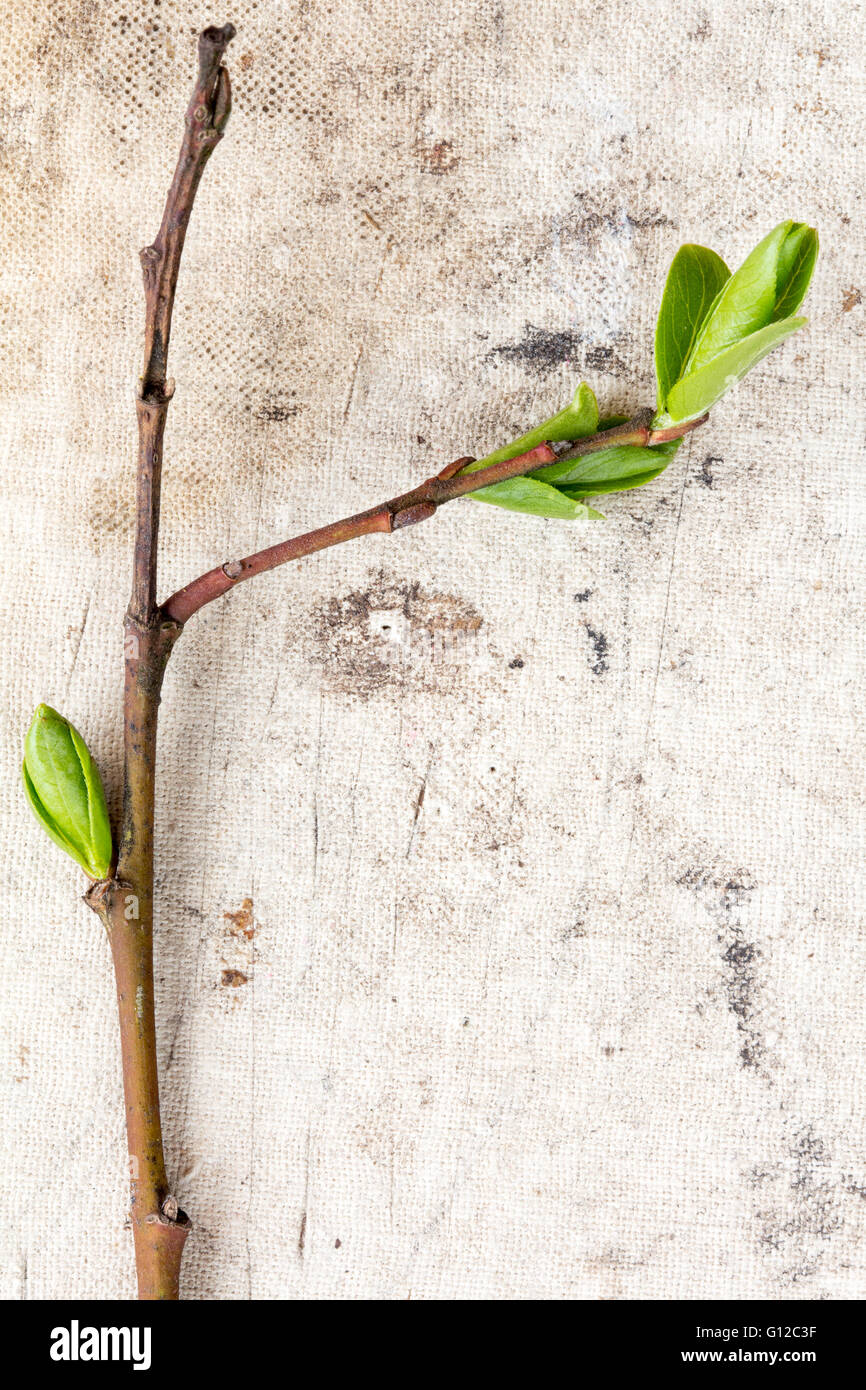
[
  {"x": 712, "y": 327},
  {"x": 559, "y": 490},
  {"x": 64, "y": 789}
]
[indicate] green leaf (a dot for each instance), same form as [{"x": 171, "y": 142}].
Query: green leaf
[
  {"x": 615, "y": 470},
  {"x": 578, "y": 419},
  {"x": 48, "y": 825},
  {"x": 745, "y": 304},
  {"x": 625, "y": 485},
  {"x": 696, "y": 392},
  {"x": 796, "y": 263},
  {"x": 64, "y": 789},
  {"x": 694, "y": 280},
  {"x": 526, "y": 494},
  {"x": 618, "y": 469}
]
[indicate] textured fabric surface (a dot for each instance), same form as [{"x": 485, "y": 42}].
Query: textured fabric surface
[{"x": 510, "y": 876}]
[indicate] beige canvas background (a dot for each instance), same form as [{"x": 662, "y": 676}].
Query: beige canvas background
[{"x": 552, "y": 981}]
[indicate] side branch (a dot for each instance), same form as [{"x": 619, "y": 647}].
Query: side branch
[{"x": 411, "y": 507}]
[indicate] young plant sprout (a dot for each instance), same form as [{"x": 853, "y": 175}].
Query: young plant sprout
[{"x": 713, "y": 326}]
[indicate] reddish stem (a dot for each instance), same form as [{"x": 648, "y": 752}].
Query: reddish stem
[{"x": 411, "y": 507}]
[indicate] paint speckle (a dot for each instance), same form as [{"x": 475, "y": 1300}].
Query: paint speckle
[
  {"x": 706, "y": 477},
  {"x": 598, "y": 660},
  {"x": 802, "y": 1207},
  {"x": 439, "y": 158},
  {"x": 233, "y": 979},
  {"x": 242, "y": 923},
  {"x": 541, "y": 348},
  {"x": 741, "y": 958},
  {"x": 277, "y": 411},
  {"x": 603, "y": 358},
  {"x": 723, "y": 897}
]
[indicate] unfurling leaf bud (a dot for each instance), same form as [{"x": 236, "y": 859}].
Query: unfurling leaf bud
[
  {"x": 64, "y": 788},
  {"x": 713, "y": 327}
]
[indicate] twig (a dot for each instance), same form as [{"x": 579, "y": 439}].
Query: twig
[{"x": 411, "y": 507}]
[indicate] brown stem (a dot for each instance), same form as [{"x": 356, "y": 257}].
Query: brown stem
[
  {"x": 411, "y": 507},
  {"x": 125, "y": 902},
  {"x": 205, "y": 121},
  {"x": 125, "y": 905}
]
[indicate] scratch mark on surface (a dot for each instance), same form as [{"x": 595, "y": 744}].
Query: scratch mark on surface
[
  {"x": 664, "y": 626},
  {"x": 253, "y": 1070},
  {"x": 395, "y": 924},
  {"x": 347, "y": 407},
  {"x": 352, "y": 380},
  {"x": 316, "y": 795},
  {"x": 758, "y": 69},
  {"x": 302, "y": 1229},
  {"x": 81, "y": 629},
  {"x": 354, "y": 810},
  {"x": 419, "y": 802},
  {"x": 652, "y": 705},
  {"x": 488, "y": 950},
  {"x": 175, "y": 1034}
]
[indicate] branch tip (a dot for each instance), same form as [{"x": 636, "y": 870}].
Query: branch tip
[
  {"x": 664, "y": 436},
  {"x": 218, "y": 37},
  {"x": 212, "y": 44},
  {"x": 212, "y": 95}
]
